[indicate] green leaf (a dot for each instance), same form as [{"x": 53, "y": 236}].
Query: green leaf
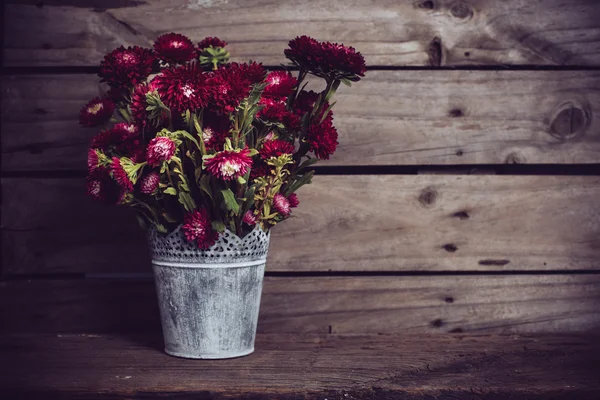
[
  {"x": 170, "y": 190},
  {"x": 305, "y": 179},
  {"x": 327, "y": 112},
  {"x": 161, "y": 228},
  {"x": 186, "y": 201},
  {"x": 189, "y": 136},
  {"x": 218, "y": 226},
  {"x": 230, "y": 201},
  {"x": 241, "y": 180},
  {"x": 205, "y": 185},
  {"x": 346, "y": 82}
]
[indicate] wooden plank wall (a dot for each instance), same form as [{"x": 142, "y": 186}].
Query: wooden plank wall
[{"x": 463, "y": 197}]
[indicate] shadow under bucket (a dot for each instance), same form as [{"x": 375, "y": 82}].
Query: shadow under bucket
[{"x": 209, "y": 300}]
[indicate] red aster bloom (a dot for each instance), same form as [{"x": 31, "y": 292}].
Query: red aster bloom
[
  {"x": 325, "y": 59},
  {"x": 174, "y": 48},
  {"x": 96, "y": 112},
  {"x": 279, "y": 84},
  {"x": 197, "y": 227},
  {"x": 339, "y": 61},
  {"x": 123, "y": 139},
  {"x": 160, "y": 149},
  {"x": 293, "y": 200},
  {"x": 304, "y": 51},
  {"x": 215, "y": 129},
  {"x": 259, "y": 169},
  {"x": 322, "y": 140},
  {"x": 275, "y": 148},
  {"x": 281, "y": 205},
  {"x": 92, "y": 162},
  {"x": 120, "y": 176},
  {"x": 101, "y": 187},
  {"x": 275, "y": 111},
  {"x": 118, "y": 94},
  {"x": 183, "y": 88},
  {"x": 250, "y": 218},
  {"x": 228, "y": 165},
  {"x": 229, "y": 88},
  {"x": 252, "y": 72},
  {"x": 211, "y": 41},
  {"x": 138, "y": 104},
  {"x": 127, "y": 66},
  {"x": 305, "y": 104},
  {"x": 149, "y": 183}
]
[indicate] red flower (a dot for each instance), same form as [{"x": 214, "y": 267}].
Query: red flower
[
  {"x": 275, "y": 111},
  {"x": 120, "y": 176},
  {"x": 258, "y": 170},
  {"x": 118, "y": 94},
  {"x": 326, "y": 59},
  {"x": 160, "y": 149},
  {"x": 101, "y": 187},
  {"x": 211, "y": 41},
  {"x": 250, "y": 218},
  {"x": 96, "y": 112},
  {"x": 322, "y": 140},
  {"x": 197, "y": 227},
  {"x": 215, "y": 130},
  {"x": 279, "y": 84},
  {"x": 183, "y": 88},
  {"x": 228, "y": 165},
  {"x": 122, "y": 139},
  {"x": 149, "y": 183},
  {"x": 127, "y": 66},
  {"x": 92, "y": 162},
  {"x": 230, "y": 85},
  {"x": 293, "y": 200},
  {"x": 253, "y": 72},
  {"x": 138, "y": 104},
  {"x": 174, "y": 48},
  {"x": 305, "y": 104},
  {"x": 275, "y": 148},
  {"x": 281, "y": 205}
]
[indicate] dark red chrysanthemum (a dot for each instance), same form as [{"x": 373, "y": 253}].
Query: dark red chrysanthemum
[
  {"x": 127, "y": 66},
  {"x": 281, "y": 204},
  {"x": 149, "y": 183},
  {"x": 275, "y": 148},
  {"x": 339, "y": 61},
  {"x": 293, "y": 200},
  {"x": 279, "y": 84},
  {"x": 197, "y": 227},
  {"x": 228, "y": 165},
  {"x": 229, "y": 88},
  {"x": 250, "y": 218},
  {"x": 211, "y": 41},
  {"x": 101, "y": 187},
  {"x": 96, "y": 112},
  {"x": 215, "y": 130},
  {"x": 259, "y": 169},
  {"x": 326, "y": 59},
  {"x": 139, "y": 105},
  {"x": 183, "y": 87},
  {"x": 119, "y": 175},
  {"x": 92, "y": 161},
  {"x": 275, "y": 111},
  {"x": 304, "y": 51},
  {"x": 160, "y": 149},
  {"x": 118, "y": 94},
  {"x": 253, "y": 72},
  {"x": 174, "y": 48},
  {"x": 122, "y": 139},
  {"x": 322, "y": 140},
  {"x": 305, "y": 103}
]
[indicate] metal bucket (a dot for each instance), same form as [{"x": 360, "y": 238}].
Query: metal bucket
[{"x": 209, "y": 299}]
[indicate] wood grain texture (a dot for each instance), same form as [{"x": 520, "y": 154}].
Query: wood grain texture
[
  {"x": 385, "y": 304},
  {"x": 390, "y": 118},
  {"x": 308, "y": 367},
  {"x": 343, "y": 223},
  {"x": 419, "y": 32}
]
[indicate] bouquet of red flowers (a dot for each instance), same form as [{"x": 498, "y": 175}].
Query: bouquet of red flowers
[{"x": 209, "y": 144}]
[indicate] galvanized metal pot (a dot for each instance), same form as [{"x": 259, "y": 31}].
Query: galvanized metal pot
[{"x": 209, "y": 299}]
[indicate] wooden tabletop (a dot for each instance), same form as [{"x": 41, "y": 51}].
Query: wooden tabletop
[{"x": 306, "y": 366}]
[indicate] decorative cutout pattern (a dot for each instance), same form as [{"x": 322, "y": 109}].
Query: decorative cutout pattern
[{"x": 229, "y": 248}]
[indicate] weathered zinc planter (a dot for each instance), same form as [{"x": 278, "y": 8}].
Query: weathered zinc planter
[{"x": 209, "y": 299}]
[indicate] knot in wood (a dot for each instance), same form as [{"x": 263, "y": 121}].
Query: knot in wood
[
  {"x": 434, "y": 51},
  {"x": 425, "y": 5},
  {"x": 515, "y": 158},
  {"x": 461, "y": 10},
  {"x": 569, "y": 122},
  {"x": 428, "y": 196}
]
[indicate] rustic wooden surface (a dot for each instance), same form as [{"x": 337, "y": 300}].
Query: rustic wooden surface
[
  {"x": 407, "y": 32},
  {"x": 390, "y": 118},
  {"x": 402, "y": 222},
  {"x": 337, "y": 304},
  {"x": 308, "y": 367}
]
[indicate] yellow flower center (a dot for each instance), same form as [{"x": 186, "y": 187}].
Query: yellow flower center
[{"x": 95, "y": 108}]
